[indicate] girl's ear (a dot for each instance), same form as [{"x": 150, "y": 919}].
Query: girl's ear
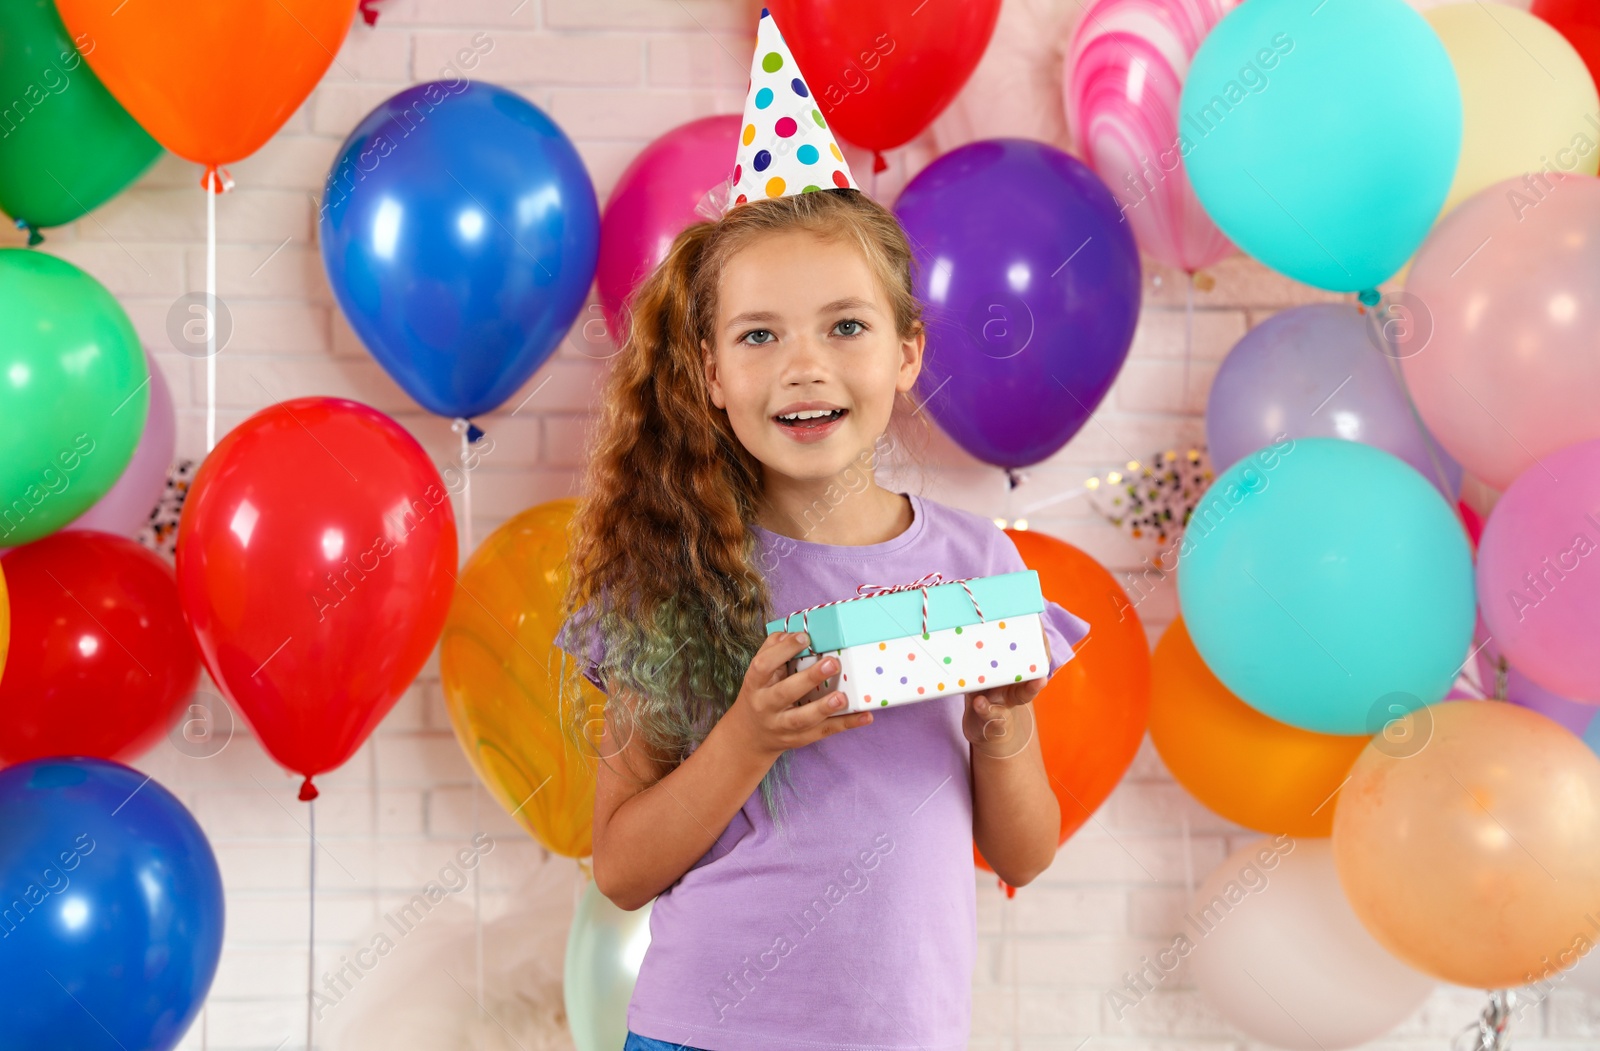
[
  {"x": 709, "y": 360},
  {"x": 911, "y": 359}
]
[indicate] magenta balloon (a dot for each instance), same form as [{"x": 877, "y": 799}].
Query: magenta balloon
[
  {"x": 1539, "y": 571},
  {"x": 1031, "y": 283},
  {"x": 1124, "y": 74},
  {"x": 126, "y": 506},
  {"x": 654, "y": 200},
  {"x": 1317, "y": 372},
  {"x": 1505, "y": 361}
]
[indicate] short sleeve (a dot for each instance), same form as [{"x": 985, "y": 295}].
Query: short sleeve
[
  {"x": 1063, "y": 629},
  {"x": 578, "y": 637}
]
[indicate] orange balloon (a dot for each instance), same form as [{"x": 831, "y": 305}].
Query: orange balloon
[
  {"x": 1092, "y": 714},
  {"x": 211, "y": 80},
  {"x": 1472, "y": 852},
  {"x": 1245, "y": 766},
  {"x": 499, "y": 665}
]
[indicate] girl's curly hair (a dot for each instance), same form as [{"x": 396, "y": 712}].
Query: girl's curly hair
[{"x": 663, "y": 566}]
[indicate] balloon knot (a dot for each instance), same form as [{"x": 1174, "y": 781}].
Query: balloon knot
[
  {"x": 462, "y": 424},
  {"x": 34, "y": 236},
  {"x": 369, "y": 14},
  {"x": 1369, "y": 297},
  {"x": 216, "y": 179},
  {"x": 308, "y": 791},
  {"x": 878, "y": 163},
  {"x": 1011, "y": 892}
]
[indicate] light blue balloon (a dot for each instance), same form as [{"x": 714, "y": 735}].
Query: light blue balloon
[
  {"x": 605, "y": 946},
  {"x": 1322, "y": 135},
  {"x": 1328, "y": 585}
]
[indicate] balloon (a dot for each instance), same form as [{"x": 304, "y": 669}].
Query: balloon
[
  {"x": 116, "y": 928},
  {"x": 500, "y": 688},
  {"x": 72, "y": 147},
  {"x": 1277, "y": 131},
  {"x": 75, "y": 399},
  {"x": 299, "y": 492},
  {"x": 604, "y": 950},
  {"x": 1252, "y": 770},
  {"x": 1092, "y": 715},
  {"x": 1527, "y": 100},
  {"x": 1502, "y": 361},
  {"x": 1579, "y": 22},
  {"x": 880, "y": 73},
  {"x": 1126, "y": 63},
  {"x": 1319, "y": 371},
  {"x": 1031, "y": 282},
  {"x": 1278, "y": 951},
  {"x": 655, "y": 200},
  {"x": 1537, "y": 601},
  {"x": 461, "y": 247},
  {"x": 1327, "y": 585},
  {"x": 1476, "y": 857},
  {"x": 212, "y": 82},
  {"x": 102, "y": 658},
  {"x": 125, "y": 509}
]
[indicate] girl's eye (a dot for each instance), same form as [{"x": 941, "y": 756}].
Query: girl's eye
[
  {"x": 860, "y": 327},
  {"x": 757, "y": 332}
]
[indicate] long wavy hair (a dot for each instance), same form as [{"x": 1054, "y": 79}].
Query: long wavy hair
[{"x": 663, "y": 565}]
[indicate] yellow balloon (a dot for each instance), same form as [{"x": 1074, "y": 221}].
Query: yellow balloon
[
  {"x": 1528, "y": 103},
  {"x": 1245, "y": 766},
  {"x": 1472, "y": 851},
  {"x": 500, "y": 666}
]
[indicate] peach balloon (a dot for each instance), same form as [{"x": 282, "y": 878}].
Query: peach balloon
[
  {"x": 1496, "y": 336},
  {"x": 1245, "y": 766},
  {"x": 1473, "y": 852}
]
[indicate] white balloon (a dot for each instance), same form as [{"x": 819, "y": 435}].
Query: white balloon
[{"x": 1280, "y": 953}]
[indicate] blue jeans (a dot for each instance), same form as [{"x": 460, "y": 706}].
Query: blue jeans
[{"x": 635, "y": 1042}]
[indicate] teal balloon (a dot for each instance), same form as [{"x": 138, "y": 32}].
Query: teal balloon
[
  {"x": 74, "y": 393},
  {"x": 1328, "y": 585},
  {"x": 1322, "y": 135},
  {"x": 604, "y": 949}
]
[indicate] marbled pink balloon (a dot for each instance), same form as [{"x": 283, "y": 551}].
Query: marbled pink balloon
[{"x": 1124, "y": 74}]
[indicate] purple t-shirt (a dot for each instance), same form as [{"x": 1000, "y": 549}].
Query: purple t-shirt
[{"x": 858, "y": 930}]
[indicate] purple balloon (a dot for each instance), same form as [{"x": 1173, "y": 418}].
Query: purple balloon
[
  {"x": 126, "y": 506},
  {"x": 1031, "y": 284},
  {"x": 1523, "y": 691},
  {"x": 1317, "y": 372}
]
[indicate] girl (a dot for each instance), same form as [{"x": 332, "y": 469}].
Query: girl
[{"x": 811, "y": 872}]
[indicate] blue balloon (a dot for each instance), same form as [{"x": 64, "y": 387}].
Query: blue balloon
[
  {"x": 112, "y": 915},
  {"x": 1031, "y": 284},
  {"x": 460, "y": 233},
  {"x": 1322, "y": 137},
  {"x": 1328, "y": 585}
]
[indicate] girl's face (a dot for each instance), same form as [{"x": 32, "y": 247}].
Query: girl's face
[{"x": 804, "y": 325}]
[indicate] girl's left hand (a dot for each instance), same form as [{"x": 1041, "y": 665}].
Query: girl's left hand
[{"x": 991, "y": 721}]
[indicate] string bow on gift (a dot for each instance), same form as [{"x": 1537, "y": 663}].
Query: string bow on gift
[{"x": 922, "y": 584}]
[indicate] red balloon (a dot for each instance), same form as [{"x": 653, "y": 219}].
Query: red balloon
[
  {"x": 882, "y": 72},
  {"x": 1093, "y": 714},
  {"x": 1579, "y": 22},
  {"x": 101, "y": 660},
  {"x": 316, "y": 561}
]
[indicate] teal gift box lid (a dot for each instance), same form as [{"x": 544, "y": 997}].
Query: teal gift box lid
[{"x": 892, "y": 615}]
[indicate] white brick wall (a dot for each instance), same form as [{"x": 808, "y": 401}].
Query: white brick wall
[{"x": 615, "y": 73}]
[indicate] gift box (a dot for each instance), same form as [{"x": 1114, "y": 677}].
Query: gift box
[{"x": 930, "y": 638}]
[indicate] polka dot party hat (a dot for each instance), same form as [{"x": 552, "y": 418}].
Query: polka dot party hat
[{"x": 785, "y": 146}]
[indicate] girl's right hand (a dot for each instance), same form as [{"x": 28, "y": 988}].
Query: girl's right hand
[{"x": 765, "y": 710}]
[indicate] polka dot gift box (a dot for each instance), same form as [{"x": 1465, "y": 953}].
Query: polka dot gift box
[
  {"x": 930, "y": 638},
  {"x": 785, "y": 146}
]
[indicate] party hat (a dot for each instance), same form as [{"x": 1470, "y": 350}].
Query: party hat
[{"x": 785, "y": 146}]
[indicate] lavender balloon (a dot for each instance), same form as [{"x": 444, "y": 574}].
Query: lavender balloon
[
  {"x": 1318, "y": 372},
  {"x": 1031, "y": 283},
  {"x": 126, "y": 506}
]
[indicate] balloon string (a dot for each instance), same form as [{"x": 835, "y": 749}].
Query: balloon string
[
  {"x": 1007, "y": 937},
  {"x": 311, "y": 912},
  {"x": 477, "y": 917},
  {"x": 1188, "y": 334},
  {"x": 211, "y": 320},
  {"x": 1427, "y": 438},
  {"x": 464, "y": 427}
]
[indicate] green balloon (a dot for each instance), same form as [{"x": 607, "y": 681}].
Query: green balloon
[
  {"x": 74, "y": 393},
  {"x": 66, "y": 146},
  {"x": 604, "y": 949}
]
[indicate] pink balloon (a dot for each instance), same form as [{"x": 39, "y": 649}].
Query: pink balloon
[
  {"x": 1500, "y": 348},
  {"x": 1539, "y": 571},
  {"x": 654, "y": 201},
  {"x": 125, "y": 508},
  {"x": 1126, "y": 63}
]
